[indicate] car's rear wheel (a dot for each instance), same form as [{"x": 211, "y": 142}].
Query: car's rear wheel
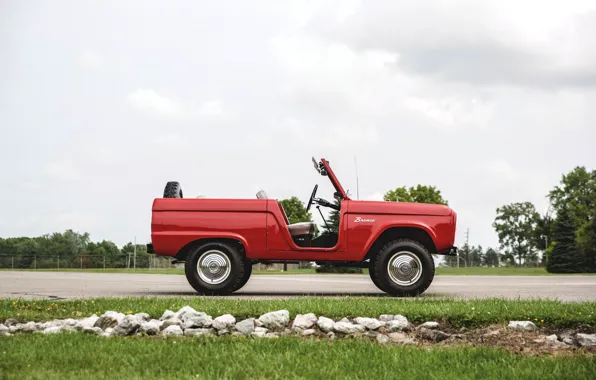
[
  {"x": 403, "y": 268},
  {"x": 247, "y": 273},
  {"x": 215, "y": 268}
]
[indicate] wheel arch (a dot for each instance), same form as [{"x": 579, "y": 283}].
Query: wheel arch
[
  {"x": 416, "y": 233},
  {"x": 195, "y": 244}
]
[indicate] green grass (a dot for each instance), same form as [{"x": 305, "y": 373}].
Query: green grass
[
  {"x": 474, "y": 271},
  {"x": 77, "y": 356},
  {"x": 469, "y": 313}
]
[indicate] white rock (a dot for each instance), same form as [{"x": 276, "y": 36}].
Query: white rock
[
  {"x": 553, "y": 340},
  {"x": 398, "y": 337},
  {"x": 194, "y": 319},
  {"x": 261, "y": 329},
  {"x": 167, "y": 315},
  {"x": 383, "y": 339},
  {"x": 171, "y": 322},
  {"x": 226, "y": 321},
  {"x": 275, "y": 320},
  {"x": 150, "y": 328},
  {"x": 199, "y": 332},
  {"x": 586, "y": 340},
  {"x": 53, "y": 330},
  {"x": 271, "y": 335},
  {"x": 369, "y": 323},
  {"x": 347, "y": 328},
  {"x": 143, "y": 316},
  {"x": 430, "y": 325},
  {"x": 258, "y": 334},
  {"x": 398, "y": 323},
  {"x": 15, "y": 328},
  {"x": 325, "y": 324},
  {"x": 246, "y": 326},
  {"x": 308, "y": 332},
  {"x": 3, "y": 330},
  {"x": 73, "y": 322},
  {"x": 304, "y": 321},
  {"x": 86, "y": 322},
  {"x": 92, "y": 330},
  {"x": 128, "y": 326},
  {"x": 345, "y": 320},
  {"x": 29, "y": 327},
  {"x": 223, "y": 332},
  {"x": 107, "y": 319},
  {"x": 386, "y": 317},
  {"x": 522, "y": 325},
  {"x": 173, "y": 330},
  {"x": 183, "y": 310}
]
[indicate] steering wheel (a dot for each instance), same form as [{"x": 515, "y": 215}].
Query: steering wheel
[{"x": 312, "y": 197}]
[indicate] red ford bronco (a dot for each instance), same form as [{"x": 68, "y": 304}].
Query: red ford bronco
[{"x": 220, "y": 239}]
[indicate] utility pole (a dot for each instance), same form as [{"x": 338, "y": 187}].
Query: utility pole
[
  {"x": 135, "y": 254},
  {"x": 467, "y": 246}
]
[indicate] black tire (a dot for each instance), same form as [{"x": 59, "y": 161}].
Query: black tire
[
  {"x": 173, "y": 190},
  {"x": 414, "y": 251},
  {"x": 247, "y": 273},
  {"x": 373, "y": 278},
  {"x": 237, "y": 267}
]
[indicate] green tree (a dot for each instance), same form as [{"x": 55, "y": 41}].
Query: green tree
[
  {"x": 490, "y": 258},
  {"x": 515, "y": 224},
  {"x": 587, "y": 240},
  {"x": 295, "y": 210},
  {"x": 577, "y": 192},
  {"x": 418, "y": 194},
  {"x": 565, "y": 256}
]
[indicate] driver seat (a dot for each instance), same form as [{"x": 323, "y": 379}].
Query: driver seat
[{"x": 295, "y": 229}]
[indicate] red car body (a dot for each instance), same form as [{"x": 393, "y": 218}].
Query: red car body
[{"x": 260, "y": 225}]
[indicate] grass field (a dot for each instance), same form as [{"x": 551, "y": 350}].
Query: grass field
[
  {"x": 457, "y": 313},
  {"x": 76, "y": 356},
  {"x": 474, "y": 271}
]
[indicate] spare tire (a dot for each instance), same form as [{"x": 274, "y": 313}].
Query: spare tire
[{"x": 173, "y": 190}]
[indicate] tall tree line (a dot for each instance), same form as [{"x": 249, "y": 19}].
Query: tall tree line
[{"x": 563, "y": 239}]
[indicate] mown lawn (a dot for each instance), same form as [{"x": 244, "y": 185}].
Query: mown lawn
[
  {"x": 469, "y": 313},
  {"x": 77, "y": 356}
]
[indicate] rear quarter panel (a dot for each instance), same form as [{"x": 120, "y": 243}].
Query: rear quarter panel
[{"x": 178, "y": 221}]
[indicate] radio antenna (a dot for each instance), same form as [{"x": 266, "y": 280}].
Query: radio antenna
[{"x": 357, "y": 187}]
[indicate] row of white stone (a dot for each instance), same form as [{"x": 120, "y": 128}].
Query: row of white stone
[{"x": 189, "y": 322}]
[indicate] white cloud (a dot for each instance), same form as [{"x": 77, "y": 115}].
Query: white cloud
[
  {"x": 162, "y": 107},
  {"x": 211, "y": 109},
  {"x": 172, "y": 141},
  {"x": 62, "y": 170},
  {"x": 90, "y": 59},
  {"x": 151, "y": 101}
]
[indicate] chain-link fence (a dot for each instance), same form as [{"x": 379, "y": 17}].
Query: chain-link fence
[{"x": 84, "y": 262}]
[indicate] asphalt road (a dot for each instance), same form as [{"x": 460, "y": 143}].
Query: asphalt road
[{"x": 67, "y": 285}]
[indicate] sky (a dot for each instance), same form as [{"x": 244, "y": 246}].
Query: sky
[{"x": 103, "y": 102}]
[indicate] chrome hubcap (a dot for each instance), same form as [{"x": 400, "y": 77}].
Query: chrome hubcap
[
  {"x": 214, "y": 266},
  {"x": 404, "y": 268}
]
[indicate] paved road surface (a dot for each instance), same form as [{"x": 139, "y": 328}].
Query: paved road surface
[{"x": 65, "y": 285}]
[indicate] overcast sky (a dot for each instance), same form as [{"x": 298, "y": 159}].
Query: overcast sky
[{"x": 103, "y": 102}]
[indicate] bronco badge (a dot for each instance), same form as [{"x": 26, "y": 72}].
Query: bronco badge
[{"x": 360, "y": 220}]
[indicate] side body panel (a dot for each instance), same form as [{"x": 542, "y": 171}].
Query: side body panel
[{"x": 179, "y": 221}]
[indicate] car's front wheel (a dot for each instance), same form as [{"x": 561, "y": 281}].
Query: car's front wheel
[
  {"x": 403, "y": 268},
  {"x": 215, "y": 268}
]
